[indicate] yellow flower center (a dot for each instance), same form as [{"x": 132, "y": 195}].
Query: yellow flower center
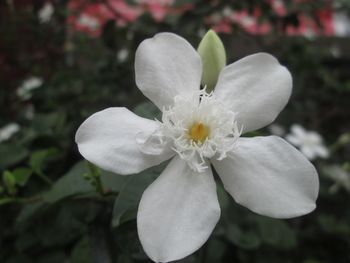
[{"x": 199, "y": 132}]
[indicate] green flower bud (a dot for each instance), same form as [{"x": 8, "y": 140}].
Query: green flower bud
[{"x": 212, "y": 52}]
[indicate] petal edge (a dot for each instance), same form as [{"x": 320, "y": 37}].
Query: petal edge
[
  {"x": 257, "y": 88},
  {"x": 177, "y": 212},
  {"x": 108, "y": 139},
  {"x": 165, "y": 66},
  {"x": 270, "y": 177}
]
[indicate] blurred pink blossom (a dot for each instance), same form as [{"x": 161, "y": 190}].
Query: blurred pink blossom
[
  {"x": 159, "y": 9},
  {"x": 249, "y": 22},
  {"x": 90, "y": 17},
  {"x": 320, "y": 22}
]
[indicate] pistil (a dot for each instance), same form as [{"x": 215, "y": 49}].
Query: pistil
[{"x": 199, "y": 132}]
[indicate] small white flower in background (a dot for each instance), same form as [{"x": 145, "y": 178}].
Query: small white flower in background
[
  {"x": 248, "y": 21},
  {"x": 29, "y": 112},
  {"x": 180, "y": 209},
  {"x": 335, "y": 51},
  {"x": 276, "y": 129},
  {"x": 122, "y": 55},
  {"x": 201, "y": 32},
  {"x": 24, "y": 92},
  {"x": 310, "y": 143},
  {"x": 341, "y": 24},
  {"x": 227, "y": 11},
  {"x": 88, "y": 21},
  {"x": 340, "y": 177},
  {"x": 46, "y": 12},
  {"x": 8, "y": 131}
]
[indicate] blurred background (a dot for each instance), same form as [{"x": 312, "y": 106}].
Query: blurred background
[{"x": 61, "y": 61}]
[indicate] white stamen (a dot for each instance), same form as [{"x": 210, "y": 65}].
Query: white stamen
[{"x": 203, "y": 108}]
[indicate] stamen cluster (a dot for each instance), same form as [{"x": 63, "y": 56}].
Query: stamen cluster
[{"x": 203, "y": 110}]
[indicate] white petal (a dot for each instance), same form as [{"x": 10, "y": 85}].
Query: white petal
[
  {"x": 276, "y": 129},
  {"x": 165, "y": 66},
  {"x": 308, "y": 151},
  {"x": 270, "y": 177},
  {"x": 322, "y": 151},
  {"x": 177, "y": 212},
  {"x": 154, "y": 144},
  {"x": 314, "y": 137},
  {"x": 298, "y": 131},
  {"x": 109, "y": 139},
  {"x": 293, "y": 139},
  {"x": 257, "y": 88}
]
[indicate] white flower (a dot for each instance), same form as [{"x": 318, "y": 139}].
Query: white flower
[
  {"x": 88, "y": 21},
  {"x": 8, "y": 131},
  {"x": 340, "y": 177},
  {"x": 25, "y": 90},
  {"x": 277, "y": 129},
  {"x": 310, "y": 143},
  {"x": 201, "y": 32},
  {"x": 341, "y": 24},
  {"x": 179, "y": 210},
  {"x": 227, "y": 11},
  {"x": 122, "y": 55},
  {"x": 46, "y": 12},
  {"x": 29, "y": 111}
]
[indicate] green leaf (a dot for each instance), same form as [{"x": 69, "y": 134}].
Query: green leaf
[
  {"x": 334, "y": 225},
  {"x": 22, "y": 175},
  {"x": 82, "y": 252},
  {"x": 147, "y": 110},
  {"x": 11, "y": 154},
  {"x": 10, "y": 182},
  {"x": 64, "y": 224},
  {"x": 94, "y": 170},
  {"x": 276, "y": 233},
  {"x": 129, "y": 198},
  {"x": 215, "y": 250},
  {"x": 38, "y": 159},
  {"x": 212, "y": 52},
  {"x": 113, "y": 182},
  {"x": 26, "y": 213},
  {"x": 243, "y": 239},
  {"x": 7, "y": 200},
  {"x": 223, "y": 197},
  {"x": 73, "y": 183},
  {"x": 127, "y": 202},
  {"x": 48, "y": 123}
]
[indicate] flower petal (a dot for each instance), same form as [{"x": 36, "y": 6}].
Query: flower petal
[
  {"x": 294, "y": 139},
  {"x": 270, "y": 177},
  {"x": 308, "y": 151},
  {"x": 109, "y": 139},
  {"x": 298, "y": 131},
  {"x": 322, "y": 151},
  {"x": 177, "y": 212},
  {"x": 165, "y": 66},
  {"x": 257, "y": 88}
]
